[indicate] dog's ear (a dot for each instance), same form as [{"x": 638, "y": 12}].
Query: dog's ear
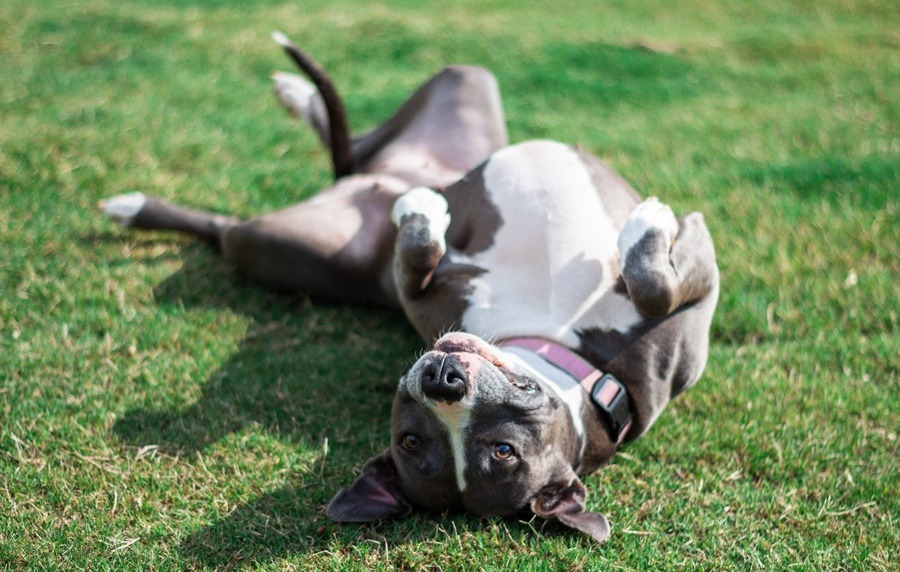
[
  {"x": 375, "y": 495},
  {"x": 564, "y": 501}
]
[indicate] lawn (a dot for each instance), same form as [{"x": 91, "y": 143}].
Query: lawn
[{"x": 159, "y": 412}]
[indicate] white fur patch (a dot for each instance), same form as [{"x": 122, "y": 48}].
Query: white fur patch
[
  {"x": 294, "y": 92},
  {"x": 552, "y": 259},
  {"x": 123, "y": 208},
  {"x": 456, "y": 419},
  {"x": 427, "y": 202},
  {"x": 301, "y": 98},
  {"x": 281, "y": 39},
  {"x": 650, "y": 214}
]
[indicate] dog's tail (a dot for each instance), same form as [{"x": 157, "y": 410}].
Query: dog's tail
[
  {"x": 339, "y": 132},
  {"x": 139, "y": 211}
]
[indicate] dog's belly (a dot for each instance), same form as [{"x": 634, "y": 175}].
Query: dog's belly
[{"x": 553, "y": 264}]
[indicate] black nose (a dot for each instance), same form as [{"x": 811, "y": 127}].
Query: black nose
[{"x": 444, "y": 380}]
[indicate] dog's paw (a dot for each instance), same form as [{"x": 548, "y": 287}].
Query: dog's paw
[
  {"x": 301, "y": 98},
  {"x": 295, "y": 93},
  {"x": 649, "y": 215},
  {"x": 123, "y": 208},
  {"x": 427, "y": 202}
]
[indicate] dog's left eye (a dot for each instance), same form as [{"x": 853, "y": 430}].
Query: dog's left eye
[
  {"x": 504, "y": 451},
  {"x": 410, "y": 442}
]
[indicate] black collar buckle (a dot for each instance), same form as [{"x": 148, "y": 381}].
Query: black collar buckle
[{"x": 611, "y": 398}]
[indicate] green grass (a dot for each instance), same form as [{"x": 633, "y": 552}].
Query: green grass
[{"x": 159, "y": 412}]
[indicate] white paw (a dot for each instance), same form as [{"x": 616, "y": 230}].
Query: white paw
[
  {"x": 650, "y": 214},
  {"x": 427, "y": 202},
  {"x": 299, "y": 96},
  {"x": 123, "y": 208}
]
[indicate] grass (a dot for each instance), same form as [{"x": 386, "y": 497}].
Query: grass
[{"x": 158, "y": 412}]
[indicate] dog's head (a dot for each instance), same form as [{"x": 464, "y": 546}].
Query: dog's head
[{"x": 475, "y": 428}]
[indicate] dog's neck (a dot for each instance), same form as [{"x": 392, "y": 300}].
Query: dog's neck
[{"x": 599, "y": 404}]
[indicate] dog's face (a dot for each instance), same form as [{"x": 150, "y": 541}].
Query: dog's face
[{"x": 475, "y": 428}]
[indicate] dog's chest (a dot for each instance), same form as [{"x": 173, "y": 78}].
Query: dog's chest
[{"x": 553, "y": 263}]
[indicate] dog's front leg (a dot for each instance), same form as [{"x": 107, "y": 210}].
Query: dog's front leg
[
  {"x": 665, "y": 262},
  {"x": 422, "y": 219}
]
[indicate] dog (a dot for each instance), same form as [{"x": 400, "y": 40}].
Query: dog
[{"x": 562, "y": 312}]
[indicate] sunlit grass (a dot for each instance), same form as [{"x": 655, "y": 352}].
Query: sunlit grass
[{"x": 159, "y": 412}]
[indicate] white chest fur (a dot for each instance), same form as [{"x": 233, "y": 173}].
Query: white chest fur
[{"x": 551, "y": 268}]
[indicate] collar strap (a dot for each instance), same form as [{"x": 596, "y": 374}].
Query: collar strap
[{"x": 606, "y": 391}]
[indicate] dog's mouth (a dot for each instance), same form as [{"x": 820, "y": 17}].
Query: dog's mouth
[{"x": 460, "y": 342}]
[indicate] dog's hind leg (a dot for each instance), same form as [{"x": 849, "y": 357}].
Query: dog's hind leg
[
  {"x": 666, "y": 262},
  {"x": 336, "y": 245},
  {"x": 446, "y": 128},
  {"x": 139, "y": 211}
]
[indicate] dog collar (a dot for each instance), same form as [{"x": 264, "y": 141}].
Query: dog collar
[{"x": 606, "y": 391}]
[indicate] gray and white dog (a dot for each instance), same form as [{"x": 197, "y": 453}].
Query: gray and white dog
[{"x": 575, "y": 311}]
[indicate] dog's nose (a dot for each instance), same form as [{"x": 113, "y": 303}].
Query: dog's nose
[{"x": 444, "y": 380}]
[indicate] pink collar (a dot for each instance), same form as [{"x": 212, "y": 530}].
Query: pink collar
[{"x": 606, "y": 391}]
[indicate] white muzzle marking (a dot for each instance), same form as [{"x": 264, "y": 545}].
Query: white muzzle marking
[{"x": 456, "y": 419}]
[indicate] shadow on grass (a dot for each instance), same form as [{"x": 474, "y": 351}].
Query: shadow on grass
[{"x": 302, "y": 372}]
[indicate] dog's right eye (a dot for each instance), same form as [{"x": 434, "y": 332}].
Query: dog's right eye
[
  {"x": 504, "y": 452},
  {"x": 410, "y": 442}
]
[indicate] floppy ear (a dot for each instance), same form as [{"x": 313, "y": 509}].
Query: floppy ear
[
  {"x": 565, "y": 503},
  {"x": 375, "y": 495}
]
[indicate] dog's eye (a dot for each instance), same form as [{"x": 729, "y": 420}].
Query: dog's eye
[
  {"x": 504, "y": 451},
  {"x": 410, "y": 442}
]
